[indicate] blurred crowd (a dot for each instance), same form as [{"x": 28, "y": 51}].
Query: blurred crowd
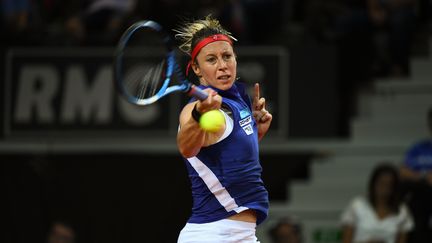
[
  {"x": 396, "y": 207},
  {"x": 380, "y": 30},
  {"x": 99, "y": 22}
]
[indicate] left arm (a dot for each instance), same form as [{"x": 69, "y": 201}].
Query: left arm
[{"x": 262, "y": 117}]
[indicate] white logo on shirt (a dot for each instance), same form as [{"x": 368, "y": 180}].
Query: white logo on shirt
[
  {"x": 245, "y": 121},
  {"x": 248, "y": 129}
]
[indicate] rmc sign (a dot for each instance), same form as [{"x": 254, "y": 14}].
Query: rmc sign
[{"x": 70, "y": 92}]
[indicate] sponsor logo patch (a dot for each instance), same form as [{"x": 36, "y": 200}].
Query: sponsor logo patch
[
  {"x": 244, "y": 113},
  {"x": 245, "y": 121},
  {"x": 248, "y": 129}
]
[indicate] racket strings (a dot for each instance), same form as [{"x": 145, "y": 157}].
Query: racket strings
[
  {"x": 144, "y": 81},
  {"x": 131, "y": 82},
  {"x": 157, "y": 77},
  {"x": 143, "y": 85},
  {"x": 146, "y": 66}
]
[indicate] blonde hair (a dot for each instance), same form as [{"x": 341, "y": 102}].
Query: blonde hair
[{"x": 187, "y": 32}]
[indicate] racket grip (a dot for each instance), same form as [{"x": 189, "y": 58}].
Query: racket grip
[{"x": 197, "y": 93}]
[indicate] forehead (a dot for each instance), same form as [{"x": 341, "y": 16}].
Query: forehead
[{"x": 216, "y": 47}]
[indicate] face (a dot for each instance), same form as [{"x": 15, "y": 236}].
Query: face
[
  {"x": 383, "y": 185},
  {"x": 287, "y": 234},
  {"x": 216, "y": 65}
]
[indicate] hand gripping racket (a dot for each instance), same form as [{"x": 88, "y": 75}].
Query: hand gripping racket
[{"x": 145, "y": 65}]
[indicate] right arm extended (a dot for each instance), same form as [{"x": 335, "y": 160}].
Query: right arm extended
[{"x": 191, "y": 137}]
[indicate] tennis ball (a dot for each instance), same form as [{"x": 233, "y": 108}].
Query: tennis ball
[{"x": 212, "y": 121}]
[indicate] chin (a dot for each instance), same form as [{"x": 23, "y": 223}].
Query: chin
[{"x": 225, "y": 85}]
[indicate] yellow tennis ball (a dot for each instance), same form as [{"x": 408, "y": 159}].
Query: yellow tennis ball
[{"x": 212, "y": 121}]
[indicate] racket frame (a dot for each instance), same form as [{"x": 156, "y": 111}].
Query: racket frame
[{"x": 171, "y": 68}]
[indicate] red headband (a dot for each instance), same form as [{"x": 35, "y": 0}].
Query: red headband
[{"x": 204, "y": 42}]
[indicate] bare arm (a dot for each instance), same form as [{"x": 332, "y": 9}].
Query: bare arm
[{"x": 191, "y": 138}]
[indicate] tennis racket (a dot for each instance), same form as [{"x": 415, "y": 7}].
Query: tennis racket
[{"x": 145, "y": 65}]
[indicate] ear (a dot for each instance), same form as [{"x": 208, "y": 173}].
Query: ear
[{"x": 196, "y": 69}]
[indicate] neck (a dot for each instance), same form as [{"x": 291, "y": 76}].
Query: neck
[{"x": 381, "y": 202}]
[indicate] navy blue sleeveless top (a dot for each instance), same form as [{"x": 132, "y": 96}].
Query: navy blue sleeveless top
[{"x": 226, "y": 176}]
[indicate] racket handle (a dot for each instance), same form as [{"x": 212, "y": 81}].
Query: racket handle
[{"x": 197, "y": 92}]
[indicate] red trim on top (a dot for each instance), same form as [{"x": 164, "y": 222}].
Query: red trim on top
[{"x": 204, "y": 42}]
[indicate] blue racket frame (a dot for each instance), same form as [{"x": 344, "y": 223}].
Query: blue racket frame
[{"x": 172, "y": 67}]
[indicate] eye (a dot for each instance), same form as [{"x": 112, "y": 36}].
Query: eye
[
  {"x": 211, "y": 59},
  {"x": 227, "y": 57}
]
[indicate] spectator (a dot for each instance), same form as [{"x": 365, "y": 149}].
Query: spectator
[
  {"x": 287, "y": 230},
  {"x": 381, "y": 217},
  {"x": 416, "y": 175},
  {"x": 61, "y": 232}
]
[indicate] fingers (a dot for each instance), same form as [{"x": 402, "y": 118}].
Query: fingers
[
  {"x": 256, "y": 95},
  {"x": 260, "y": 113},
  {"x": 212, "y": 102},
  {"x": 260, "y": 104},
  {"x": 262, "y": 116},
  {"x": 266, "y": 117}
]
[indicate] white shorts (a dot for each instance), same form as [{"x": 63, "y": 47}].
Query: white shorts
[{"x": 221, "y": 231}]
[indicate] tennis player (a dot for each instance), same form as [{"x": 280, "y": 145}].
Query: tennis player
[{"x": 229, "y": 197}]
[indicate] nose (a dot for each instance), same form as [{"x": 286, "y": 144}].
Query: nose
[{"x": 222, "y": 63}]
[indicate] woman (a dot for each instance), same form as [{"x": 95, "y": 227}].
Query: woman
[
  {"x": 229, "y": 198},
  {"x": 382, "y": 217}
]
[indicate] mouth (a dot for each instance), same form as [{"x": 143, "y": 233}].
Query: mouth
[{"x": 224, "y": 77}]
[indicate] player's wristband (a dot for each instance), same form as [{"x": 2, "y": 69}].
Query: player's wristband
[{"x": 195, "y": 114}]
